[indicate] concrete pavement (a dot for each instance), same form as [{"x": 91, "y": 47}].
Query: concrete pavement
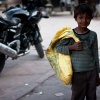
[
  {"x": 21, "y": 76},
  {"x": 52, "y": 89}
]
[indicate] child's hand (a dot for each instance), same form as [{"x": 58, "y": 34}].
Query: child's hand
[{"x": 76, "y": 46}]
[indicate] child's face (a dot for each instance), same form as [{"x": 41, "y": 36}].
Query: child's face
[{"x": 83, "y": 20}]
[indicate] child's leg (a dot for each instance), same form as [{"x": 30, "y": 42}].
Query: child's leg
[
  {"x": 91, "y": 85},
  {"x": 84, "y": 84},
  {"x": 79, "y": 86}
]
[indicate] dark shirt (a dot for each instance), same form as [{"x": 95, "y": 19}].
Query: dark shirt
[{"x": 84, "y": 60}]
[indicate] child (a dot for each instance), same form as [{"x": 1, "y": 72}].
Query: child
[{"x": 84, "y": 55}]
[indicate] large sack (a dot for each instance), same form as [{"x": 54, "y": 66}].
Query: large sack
[{"x": 61, "y": 63}]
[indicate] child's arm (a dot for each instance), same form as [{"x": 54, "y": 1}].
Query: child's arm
[
  {"x": 67, "y": 45},
  {"x": 76, "y": 46},
  {"x": 62, "y": 47},
  {"x": 95, "y": 52}
]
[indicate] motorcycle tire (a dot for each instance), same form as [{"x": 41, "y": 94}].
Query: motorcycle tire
[
  {"x": 2, "y": 63},
  {"x": 39, "y": 50}
]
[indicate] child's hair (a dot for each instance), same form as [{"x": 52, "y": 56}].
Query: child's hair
[{"x": 81, "y": 9}]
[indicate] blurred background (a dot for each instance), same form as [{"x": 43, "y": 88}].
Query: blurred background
[{"x": 59, "y": 5}]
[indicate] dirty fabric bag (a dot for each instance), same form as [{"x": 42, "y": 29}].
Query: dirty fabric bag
[{"x": 61, "y": 63}]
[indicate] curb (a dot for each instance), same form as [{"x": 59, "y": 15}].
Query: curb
[{"x": 19, "y": 93}]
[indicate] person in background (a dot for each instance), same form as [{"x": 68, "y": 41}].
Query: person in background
[{"x": 84, "y": 55}]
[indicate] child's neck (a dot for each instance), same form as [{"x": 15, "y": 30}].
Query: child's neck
[{"x": 81, "y": 30}]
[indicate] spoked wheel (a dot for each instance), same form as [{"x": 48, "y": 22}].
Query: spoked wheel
[
  {"x": 2, "y": 62},
  {"x": 39, "y": 50}
]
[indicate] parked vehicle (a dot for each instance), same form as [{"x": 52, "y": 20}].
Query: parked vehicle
[{"x": 18, "y": 32}]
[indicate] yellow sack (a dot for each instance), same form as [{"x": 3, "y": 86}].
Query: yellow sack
[{"x": 61, "y": 63}]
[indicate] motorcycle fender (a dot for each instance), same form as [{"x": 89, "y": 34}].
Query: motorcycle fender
[
  {"x": 37, "y": 38},
  {"x": 36, "y": 35}
]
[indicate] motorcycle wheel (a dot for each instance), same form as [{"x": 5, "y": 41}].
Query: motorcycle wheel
[
  {"x": 2, "y": 63},
  {"x": 39, "y": 50}
]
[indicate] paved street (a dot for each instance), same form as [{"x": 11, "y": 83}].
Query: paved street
[
  {"x": 52, "y": 89},
  {"x": 30, "y": 73}
]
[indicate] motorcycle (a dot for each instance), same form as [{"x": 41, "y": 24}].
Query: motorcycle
[{"x": 19, "y": 31}]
